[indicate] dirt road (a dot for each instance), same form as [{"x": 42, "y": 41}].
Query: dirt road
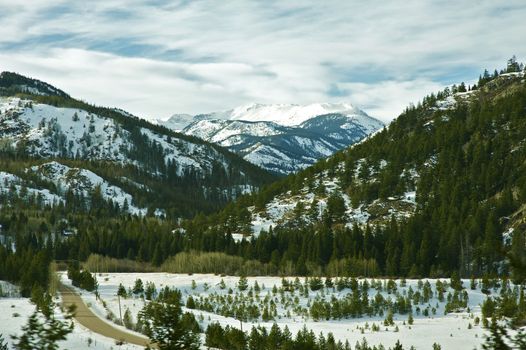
[{"x": 88, "y": 319}]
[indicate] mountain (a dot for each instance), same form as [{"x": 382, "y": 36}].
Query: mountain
[
  {"x": 65, "y": 143},
  {"x": 286, "y": 114},
  {"x": 176, "y": 122},
  {"x": 441, "y": 189},
  {"x": 282, "y": 139}
]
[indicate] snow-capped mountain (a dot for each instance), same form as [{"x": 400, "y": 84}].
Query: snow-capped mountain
[
  {"x": 127, "y": 157},
  {"x": 282, "y": 138},
  {"x": 176, "y": 122},
  {"x": 287, "y": 114}
]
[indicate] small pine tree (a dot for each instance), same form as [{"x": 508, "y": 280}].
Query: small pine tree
[
  {"x": 222, "y": 284},
  {"x": 190, "y": 303},
  {"x": 127, "y": 319},
  {"x": 243, "y": 283},
  {"x": 122, "y": 291},
  {"x": 138, "y": 287},
  {"x": 389, "y": 319}
]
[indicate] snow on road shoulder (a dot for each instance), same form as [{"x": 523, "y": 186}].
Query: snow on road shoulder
[{"x": 15, "y": 312}]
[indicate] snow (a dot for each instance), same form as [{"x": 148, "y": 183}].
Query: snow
[
  {"x": 260, "y": 223},
  {"x": 9, "y": 181},
  {"x": 447, "y": 103},
  {"x": 451, "y": 330},
  {"x": 280, "y": 209},
  {"x": 507, "y": 236},
  {"x": 84, "y": 181},
  {"x": 180, "y": 152},
  {"x": 16, "y": 311},
  {"x": 218, "y": 131},
  {"x": 286, "y": 114},
  {"x": 53, "y": 131},
  {"x": 176, "y": 122},
  {"x": 410, "y": 197},
  {"x": 73, "y": 133},
  {"x": 308, "y": 133}
]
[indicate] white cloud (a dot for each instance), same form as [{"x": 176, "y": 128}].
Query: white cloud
[
  {"x": 385, "y": 99},
  {"x": 200, "y": 56}
]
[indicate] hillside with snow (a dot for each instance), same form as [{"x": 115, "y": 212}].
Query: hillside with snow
[
  {"x": 110, "y": 146},
  {"x": 281, "y": 138},
  {"x": 399, "y": 172}
]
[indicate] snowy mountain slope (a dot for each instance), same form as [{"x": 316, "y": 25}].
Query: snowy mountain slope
[
  {"x": 56, "y": 179},
  {"x": 44, "y": 122},
  {"x": 287, "y": 114},
  {"x": 176, "y": 122},
  {"x": 309, "y": 205},
  {"x": 83, "y": 182},
  {"x": 404, "y": 168},
  {"x": 11, "y": 184},
  {"x": 49, "y": 131},
  {"x": 291, "y": 139}
]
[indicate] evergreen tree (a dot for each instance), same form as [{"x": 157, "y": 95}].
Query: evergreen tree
[
  {"x": 242, "y": 284},
  {"x": 43, "y": 330},
  {"x": 138, "y": 287},
  {"x": 163, "y": 320}
]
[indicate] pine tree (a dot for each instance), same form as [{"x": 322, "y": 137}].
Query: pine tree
[
  {"x": 163, "y": 319},
  {"x": 222, "y": 284},
  {"x": 496, "y": 340},
  {"x": 43, "y": 331},
  {"x": 127, "y": 319},
  {"x": 121, "y": 291},
  {"x": 242, "y": 284},
  {"x": 138, "y": 287}
]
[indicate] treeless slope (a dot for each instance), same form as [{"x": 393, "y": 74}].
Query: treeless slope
[{"x": 88, "y": 319}]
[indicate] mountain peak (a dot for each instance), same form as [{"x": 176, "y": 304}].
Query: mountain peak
[
  {"x": 284, "y": 138},
  {"x": 287, "y": 114}
]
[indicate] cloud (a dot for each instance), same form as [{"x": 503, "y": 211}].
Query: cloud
[
  {"x": 156, "y": 58},
  {"x": 384, "y": 99}
]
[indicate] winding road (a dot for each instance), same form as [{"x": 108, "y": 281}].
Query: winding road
[{"x": 88, "y": 319}]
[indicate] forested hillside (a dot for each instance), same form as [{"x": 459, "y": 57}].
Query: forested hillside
[
  {"x": 442, "y": 189},
  {"x": 138, "y": 167}
]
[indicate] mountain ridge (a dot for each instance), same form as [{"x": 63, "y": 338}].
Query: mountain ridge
[
  {"x": 50, "y": 125},
  {"x": 281, "y": 138}
]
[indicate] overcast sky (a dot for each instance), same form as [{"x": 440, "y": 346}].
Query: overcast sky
[{"x": 156, "y": 58}]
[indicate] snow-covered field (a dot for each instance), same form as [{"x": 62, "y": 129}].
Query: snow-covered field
[
  {"x": 452, "y": 331},
  {"x": 14, "y": 313}
]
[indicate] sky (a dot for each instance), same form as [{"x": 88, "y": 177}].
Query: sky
[{"x": 155, "y": 58}]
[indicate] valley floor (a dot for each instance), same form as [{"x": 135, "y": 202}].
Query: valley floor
[{"x": 451, "y": 331}]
